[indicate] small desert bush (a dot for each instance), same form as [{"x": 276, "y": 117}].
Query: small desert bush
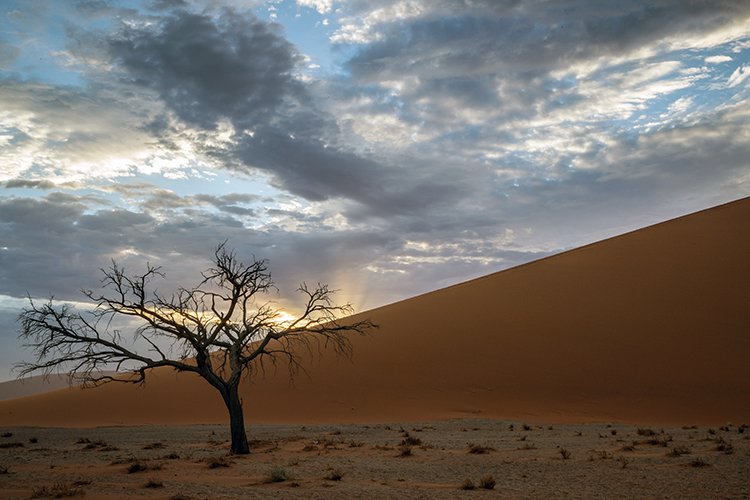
[
  {"x": 154, "y": 446},
  {"x": 678, "y": 451},
  {"x": 33, "y": 440},
  {"x": 468, "y": 484},
  {"x": 565, "y": 454},
  {"x": 3, "y": 469},
  {"x": 11, "y": 445},
  {"x": 487, "y": 483},
  {"x": 92, "y": 445},
  {"x": 7, "y": 434},
  {"x": 404, "y": 450},
  {"x": 58, "y": 490},
  {"x": 698, "y": 463},
  {"x": 476, "y": 449},
  {"x": 216, "y": 462},
  {"x": 137, "y": 467},
  {"x": 172, "y": 456},
  {"x": 646, "y": 432},
  {"x": 411, "y": 441},
  {"x": 334, "y": 475},
  {"x": 153, "y": 483},
  {"x": 725, "y": 446},
  {"x": 277, "y": 475}
]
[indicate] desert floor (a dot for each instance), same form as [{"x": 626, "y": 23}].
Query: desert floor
[{"x": 417, "y": 460}]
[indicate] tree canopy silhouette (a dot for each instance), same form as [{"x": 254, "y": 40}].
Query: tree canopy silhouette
[{"x": 222, "y": 329}]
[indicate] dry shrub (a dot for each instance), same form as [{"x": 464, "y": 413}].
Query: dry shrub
[
  {"x": 11, "y": 445},
  {"x": 698, "y": 463},
  {"x": 411, "y": 441},
  {"x": 137, "y": 467},
  {"x": 678, "y": 451},
  {"x": 468, "y": 484},
  {"x": 216, "y": 462},
  {"x": 487, "y": 483},
  {"x": 277, "y": 475},
  {"x": 404, "y": 450},
  {"x": 334, "y": 475},
  {"x": 565, "y": 454},
  {"x": 153, "y": 483},
  {"x": 478, "y": 449},
  {"x": 58, "y": 490},
  {"x": 725, "y": 446}
]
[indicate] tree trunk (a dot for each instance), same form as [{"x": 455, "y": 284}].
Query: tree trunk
[{"x": 236, "y": 421}]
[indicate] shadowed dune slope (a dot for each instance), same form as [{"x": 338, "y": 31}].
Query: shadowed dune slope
[{"x": 652, "y": 327}]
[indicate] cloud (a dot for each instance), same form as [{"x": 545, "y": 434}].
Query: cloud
[
  {"x": 206, "y": 68},
  {"x": 460, "y": 138},
  {"x": 717, "y": 59},
  {"x": 741, "y": 74},
  {"x": 322, "y": 6}
]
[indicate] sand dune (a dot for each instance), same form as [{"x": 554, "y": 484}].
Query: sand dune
[{"x": 652, "y": 326}]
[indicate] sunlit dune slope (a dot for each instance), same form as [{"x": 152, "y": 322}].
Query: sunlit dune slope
[{"x": 652, "y": 326}]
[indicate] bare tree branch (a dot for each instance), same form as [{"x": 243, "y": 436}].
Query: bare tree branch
[{"x": 222, "y": 327}]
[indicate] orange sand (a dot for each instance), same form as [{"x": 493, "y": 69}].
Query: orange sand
[{"x": 652, "y": 326}]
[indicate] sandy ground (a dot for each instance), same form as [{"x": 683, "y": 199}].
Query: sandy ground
[{"x": 370, "y": 461}]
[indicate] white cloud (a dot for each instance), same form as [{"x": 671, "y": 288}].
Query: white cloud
[
  {"x": 741, "y": 74},
  {"x": 717, "y": 59},
  {"x": 322, "y": 6}
]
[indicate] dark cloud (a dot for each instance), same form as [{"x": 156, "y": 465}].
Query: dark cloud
[
  {"x": 529, "y": 37},
  {"x": 23, "y": 183},
  {"x": 207, "y": 68},
  {"x": 167, "y": 4}
]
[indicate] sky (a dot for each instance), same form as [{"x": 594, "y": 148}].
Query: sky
[{"x": 387, "y": 148}]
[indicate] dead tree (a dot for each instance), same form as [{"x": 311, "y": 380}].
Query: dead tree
[{"x": 222, "y": 330}]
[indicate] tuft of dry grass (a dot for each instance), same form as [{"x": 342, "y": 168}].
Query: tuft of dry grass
[
  {"x": 678, "y": 451},
  {"x": 698, "y": 463},
  {"x": 334, "y": 475},
  {"x": 11, "y": 445},
  {"x": 487, "y": 483},
  {"x": 724, "y": 446},
  {"x": 220, "y": 461},
  {"x": 476, "y": 449},
  {"x": 467, "y": 485},
  {"x": 405, "y": 450},
  {"x": 153, "y": 483},
  {"x": 411, "y": 441},
  {"x": 565, "y": 453},
  {"x": 137, "y": 467},
  {"x": 57, "y": 490},
  {"x": 276, "y": 475}
]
